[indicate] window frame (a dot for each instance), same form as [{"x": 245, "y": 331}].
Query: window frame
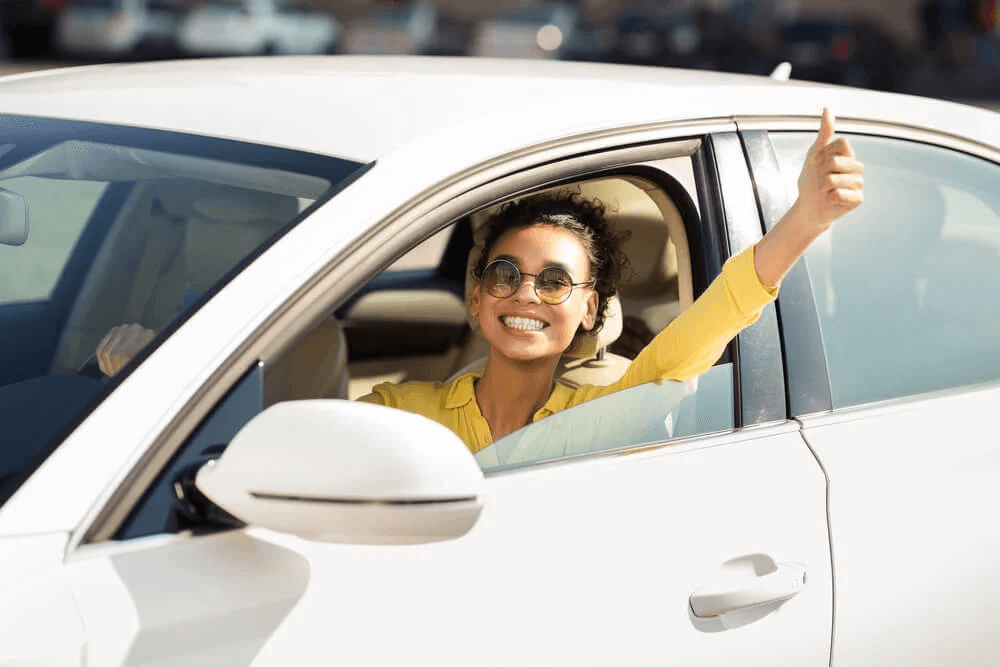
[{"x": 600, "y": 154}]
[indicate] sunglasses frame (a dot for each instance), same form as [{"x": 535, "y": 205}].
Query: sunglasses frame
[{"x": 534, "y": 283}]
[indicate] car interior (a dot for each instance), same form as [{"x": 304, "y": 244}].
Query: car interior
[{"x": 411, "y": 323}]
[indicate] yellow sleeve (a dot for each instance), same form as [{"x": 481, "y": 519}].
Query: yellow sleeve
[
  {"x": 381, "y": 394},
  {"x": 697, "y": 337}
]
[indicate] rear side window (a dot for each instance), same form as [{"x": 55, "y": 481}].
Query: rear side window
[{"x": 907, "y": 284}]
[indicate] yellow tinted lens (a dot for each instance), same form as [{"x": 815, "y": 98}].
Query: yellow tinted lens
[{"x": 553, "y": 285}]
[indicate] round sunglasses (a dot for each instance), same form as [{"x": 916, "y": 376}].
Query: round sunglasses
[{"x": 552, "y": 285}]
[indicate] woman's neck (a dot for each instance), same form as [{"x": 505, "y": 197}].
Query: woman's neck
[{"x": 509, "y": 393}]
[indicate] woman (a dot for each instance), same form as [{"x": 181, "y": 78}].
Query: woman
[{"x": 547, "y": 270}]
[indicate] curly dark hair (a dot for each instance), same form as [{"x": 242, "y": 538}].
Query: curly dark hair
[{"x": 571, "y": 211}]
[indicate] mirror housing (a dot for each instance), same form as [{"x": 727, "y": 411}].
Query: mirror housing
[
  {"x": 348, "y": 472},
  {"x": 13, "y": 218}
]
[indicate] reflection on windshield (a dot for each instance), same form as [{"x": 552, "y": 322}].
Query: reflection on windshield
[{"x": 105, "y": 226}]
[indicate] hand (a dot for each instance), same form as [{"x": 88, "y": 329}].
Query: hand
[
  {"x": 831, "y": 182},
  {"x": 121, "y": 344}
]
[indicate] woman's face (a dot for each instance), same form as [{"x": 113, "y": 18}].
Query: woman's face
[{"x": 521, "y": 327}]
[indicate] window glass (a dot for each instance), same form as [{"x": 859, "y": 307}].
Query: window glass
[
  {"x": 58, "y": 210},
  {"x": 906, "y": 283},
  {"x": 103, "y": 226},
  {"x": 649, "y": 413}
]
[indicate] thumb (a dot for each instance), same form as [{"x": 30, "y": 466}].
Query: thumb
[{"x": 826, "y": 129}]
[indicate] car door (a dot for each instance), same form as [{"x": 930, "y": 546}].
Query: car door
[
  {"x": 705, "y": 546},
  {"x": 893, "y": 368}
]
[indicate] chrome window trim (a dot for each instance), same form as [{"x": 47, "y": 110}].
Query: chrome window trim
[
  {"x": 849, "y": 125},
  {"x": 428, "y": 212},
  {"x": 912, "y": 403}
]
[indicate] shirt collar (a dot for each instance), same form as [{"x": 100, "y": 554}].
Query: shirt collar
[
  {"x": 558, "y": 400},
  {"x": 463, "y": 390}
]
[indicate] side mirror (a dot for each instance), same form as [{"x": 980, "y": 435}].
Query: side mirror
[
  {"x": 347, "y": 472},
  {"x": 13, "y": 218}
]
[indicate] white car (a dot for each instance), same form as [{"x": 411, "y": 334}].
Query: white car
[
  {"x": 256, "y": 27},
  {"x": 300, "y": 228},
  {"x": 118, "y": 29}
]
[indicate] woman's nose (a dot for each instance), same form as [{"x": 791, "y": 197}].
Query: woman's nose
[{"x": 526, "y": 291}]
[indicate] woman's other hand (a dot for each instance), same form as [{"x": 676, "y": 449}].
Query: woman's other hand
[{"x": 121, "y": 344}]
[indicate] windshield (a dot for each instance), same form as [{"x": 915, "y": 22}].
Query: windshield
[{"x": 102, "y": 226}]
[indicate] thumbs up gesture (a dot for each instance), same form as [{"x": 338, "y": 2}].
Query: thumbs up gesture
[
  {"x": 831, "y": 184},
  {"x": 832, "y": 179}
]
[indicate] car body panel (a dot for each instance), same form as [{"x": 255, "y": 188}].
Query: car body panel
[
  {"x": 594, "y": 544},
  {"x": 41, "y": 620},
  {"x": 912, "y": 521},
  {"x": 441, "y": 96}
]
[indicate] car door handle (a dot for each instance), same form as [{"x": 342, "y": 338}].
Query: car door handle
[{"x": 784, "y": 582}]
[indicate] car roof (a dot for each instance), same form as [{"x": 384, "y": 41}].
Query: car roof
[{"x": 366, "y": 107}]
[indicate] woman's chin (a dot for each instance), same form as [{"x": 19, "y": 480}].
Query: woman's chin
[{"x": 528, "y": 354}]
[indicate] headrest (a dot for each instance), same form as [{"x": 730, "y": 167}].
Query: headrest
[
  {"x": 225, "y": 227},
  {"x": 246, "y": 207},
  {"x": 585, "y": 344}
]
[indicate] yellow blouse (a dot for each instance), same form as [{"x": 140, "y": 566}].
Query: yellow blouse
[{"x": 687, "y": 347}]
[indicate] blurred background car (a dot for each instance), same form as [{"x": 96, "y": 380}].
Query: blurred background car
[
  {"x": 655, "y": 33},
  {"x": 112, "y": 29},
  {"x": 682, "y": 34},
  {"x": 535, "y": 31},
  {"x": 397, "y": 30},
  {"x": 257, "y": 27},
  {"x": 419, "y": 28},
  {"x": 845, "y": 51}
]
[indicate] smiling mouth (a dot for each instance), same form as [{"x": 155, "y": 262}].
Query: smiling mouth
[{"x": 522, "y": 323}]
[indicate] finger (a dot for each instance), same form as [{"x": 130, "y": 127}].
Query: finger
[
  {"x": 838, "y": 164},
  {"x": 826, "y": 129},
  {"x": 846, "y": 199},
  {"x": 839, "y": 146},
  {"x": 104, "y": 363},
  {"x": 843, "y": 164},
  {"x": 844, "y": 182},
  {"x": 104, "y": 341}
]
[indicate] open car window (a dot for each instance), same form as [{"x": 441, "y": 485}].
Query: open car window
[{"x": 649, "y": 413}]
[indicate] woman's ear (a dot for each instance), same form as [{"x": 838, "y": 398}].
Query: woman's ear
[
  {"x": 475, "y": 299},
  {"x": 590, "y": 316}
]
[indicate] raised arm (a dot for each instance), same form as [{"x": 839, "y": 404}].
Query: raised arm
[{"x": 831, "y": 184}]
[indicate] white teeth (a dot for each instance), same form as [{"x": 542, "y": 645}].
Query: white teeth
[{"x": 523, "y": 323}]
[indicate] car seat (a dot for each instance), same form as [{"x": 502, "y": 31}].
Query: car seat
[
  {"x": 222, "y": 230},
  {"x": 196, "y": 235}
]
